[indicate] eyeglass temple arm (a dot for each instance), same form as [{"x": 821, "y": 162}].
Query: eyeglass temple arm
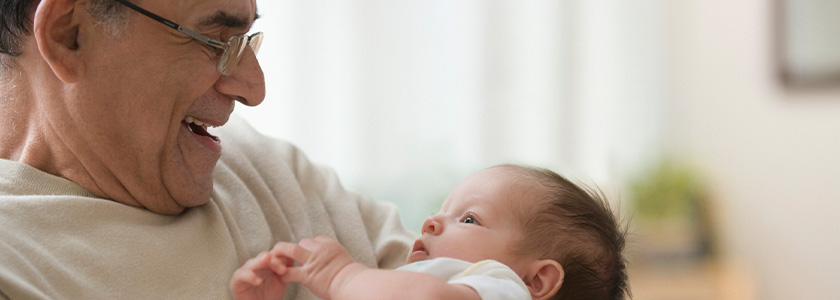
[{"x": 173, "y": 25}]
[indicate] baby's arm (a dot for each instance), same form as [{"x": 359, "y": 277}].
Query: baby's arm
[
  {"x": 258, "y": 278},
  {"x": 329, "y": 272}
]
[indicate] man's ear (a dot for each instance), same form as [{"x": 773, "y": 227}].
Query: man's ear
[
  {"x": 56, "y": 31},
  {"x": 544, "y": 279}
]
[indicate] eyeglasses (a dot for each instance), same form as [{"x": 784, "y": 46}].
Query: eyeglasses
[{"x": 233, "y": 49}]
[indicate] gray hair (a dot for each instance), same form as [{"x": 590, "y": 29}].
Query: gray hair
[
  {"x": 112, "y": 16},
  {"x": 16, "y": 18}
]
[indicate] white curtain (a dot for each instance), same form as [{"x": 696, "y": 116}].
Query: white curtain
[{"x": 405, "y": 98}]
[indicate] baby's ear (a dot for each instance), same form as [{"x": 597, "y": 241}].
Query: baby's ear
[{"x": 544, "y": 279}]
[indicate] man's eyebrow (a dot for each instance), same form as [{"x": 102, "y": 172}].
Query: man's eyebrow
[{"x": 226, "y": 20}]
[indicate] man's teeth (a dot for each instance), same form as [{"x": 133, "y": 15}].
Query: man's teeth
[{"x": 190, "y": 119}]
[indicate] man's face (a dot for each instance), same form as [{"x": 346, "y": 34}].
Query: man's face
[{"x": 129, "y": 120}]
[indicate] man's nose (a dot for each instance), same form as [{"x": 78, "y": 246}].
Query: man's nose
[
  {"x": 246, "y": 82},
  {"x": 432, "y": 226}
]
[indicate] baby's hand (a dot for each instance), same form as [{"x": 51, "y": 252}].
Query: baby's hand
[
  {"x": 259, "y": 278},
  {"x": 319, "y": 264}
]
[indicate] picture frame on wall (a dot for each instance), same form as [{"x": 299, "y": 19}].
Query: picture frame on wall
[{"x": 808, "y": 42}]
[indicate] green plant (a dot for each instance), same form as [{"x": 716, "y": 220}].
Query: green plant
[{"x": 666, "y": 191}]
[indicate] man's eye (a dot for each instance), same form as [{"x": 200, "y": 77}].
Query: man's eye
[
  {"x": 216, "y": 51},
  {"x": 212, "y": 52}
]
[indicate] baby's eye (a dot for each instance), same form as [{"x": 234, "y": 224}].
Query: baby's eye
[{"x": 469, "y": 220}]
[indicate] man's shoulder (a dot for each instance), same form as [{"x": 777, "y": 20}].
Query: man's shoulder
[
  {"x": 245, "y": 150},
  {"x": 269, "y": 169},
  {"x": 239, "y": 137}
]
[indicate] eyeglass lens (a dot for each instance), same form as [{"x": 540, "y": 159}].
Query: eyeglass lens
[{"x": 236, "y": 46}]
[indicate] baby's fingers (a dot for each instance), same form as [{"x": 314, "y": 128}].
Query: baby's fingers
[
  {"x": 290, "y": 251},
  {"x": 279, "y": 264},
  {"x": 244, "y": 279},
  {"x": 295, "y": 274},
  {"x": 248, "y": 273}
]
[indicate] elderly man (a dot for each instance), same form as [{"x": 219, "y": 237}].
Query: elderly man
[{"x": 111, "y": 185}]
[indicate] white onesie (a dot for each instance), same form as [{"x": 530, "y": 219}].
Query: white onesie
[{"x": 491, "y": 279}]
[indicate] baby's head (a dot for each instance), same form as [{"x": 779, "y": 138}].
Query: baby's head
[
  {"x": 574, "y": 226},
  {"x": 551, "y": 232}
]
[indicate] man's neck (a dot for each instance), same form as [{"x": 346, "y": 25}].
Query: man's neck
[
  {"x": 14, "y": 110},
  {"x": 22, "y": 137}
]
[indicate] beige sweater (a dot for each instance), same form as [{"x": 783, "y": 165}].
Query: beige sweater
[{"x": 59, "y": 241}]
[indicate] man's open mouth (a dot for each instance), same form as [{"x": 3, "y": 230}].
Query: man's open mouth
[{"x": 199, "y": 128}]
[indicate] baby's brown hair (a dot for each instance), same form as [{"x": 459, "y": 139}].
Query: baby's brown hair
[{"x": 574, "y": 226}]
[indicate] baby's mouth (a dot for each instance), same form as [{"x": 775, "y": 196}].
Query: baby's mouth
[
  {"x": 418, "y": 246},
  {"x": 418, "y": 252}
]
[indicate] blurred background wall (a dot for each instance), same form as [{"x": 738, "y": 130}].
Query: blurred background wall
[
  {"x": 770, "y": 150},
  {"x": 405, "y": 98}
]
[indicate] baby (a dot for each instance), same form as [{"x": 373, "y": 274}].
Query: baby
[{"x": 506, "y": 232}]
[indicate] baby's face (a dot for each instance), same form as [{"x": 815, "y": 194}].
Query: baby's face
[{"x": 477, "y": 221}]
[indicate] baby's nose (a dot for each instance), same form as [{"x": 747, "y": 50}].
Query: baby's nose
[{"x": 431, "y": 226}]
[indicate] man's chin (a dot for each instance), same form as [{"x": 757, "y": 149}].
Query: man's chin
[
  {"x": 180, "y": 199},
  {"x": 168, "y": 210},
  {"x": 175, "y": 207},
  {"x": 194, "y": 198}
]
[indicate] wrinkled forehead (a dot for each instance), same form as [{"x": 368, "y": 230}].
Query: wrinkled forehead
[{"x": 236, "y": 14}]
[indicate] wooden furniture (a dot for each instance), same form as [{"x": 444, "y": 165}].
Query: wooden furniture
[{"x": 710, "y": 279}]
